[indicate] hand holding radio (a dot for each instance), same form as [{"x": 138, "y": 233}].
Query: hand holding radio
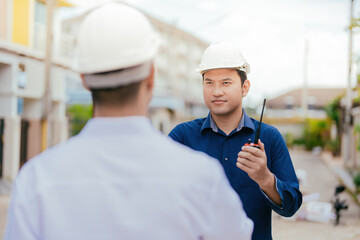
[{"x": 252, "y": 159}]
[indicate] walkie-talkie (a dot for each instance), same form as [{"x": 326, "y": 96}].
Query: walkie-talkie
[{"x": 257, "y": 134}]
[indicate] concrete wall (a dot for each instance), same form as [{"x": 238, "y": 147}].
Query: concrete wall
[
  {"x": 11, "y": 153},
  {"x": 23, "y": 77},
  {"x": 34, "y": 112},
  {"x": 35, "y": 78},
  {"x": 296, "y": 130},
  {"x": 6, "y": 75},
  {"x": 34, "y": 138},
  {"x": 295, "y": 112},
  {"x": 8, "y": 111}
]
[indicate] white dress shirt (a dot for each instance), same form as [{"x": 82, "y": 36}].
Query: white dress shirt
[{"x": 121, "y": 179}]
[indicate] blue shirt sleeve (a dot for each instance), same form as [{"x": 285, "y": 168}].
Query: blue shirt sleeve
[
  {"x": 286, "y": 181},
  {"x": 176, "y": 135}
]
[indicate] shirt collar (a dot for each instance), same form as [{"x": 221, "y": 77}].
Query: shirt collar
[
  {"x": 117, "y": 125},
  {"x": 248, "y": 123},
  {"x": 245, "y": 121}
]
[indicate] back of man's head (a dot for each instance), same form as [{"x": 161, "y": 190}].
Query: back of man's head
[{"x": 116, "y": 45}]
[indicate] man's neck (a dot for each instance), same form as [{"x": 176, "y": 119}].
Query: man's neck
[
  {"x": 227, "y": 123},
  {"x": 119, "y": 112}
]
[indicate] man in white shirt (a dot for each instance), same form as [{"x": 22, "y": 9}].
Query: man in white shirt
[{"x": 119, "y": 178}]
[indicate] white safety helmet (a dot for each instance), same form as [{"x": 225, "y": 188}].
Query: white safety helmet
[
  {"x": 114, "y": 36},
  {"x": 223, "y": 54}
]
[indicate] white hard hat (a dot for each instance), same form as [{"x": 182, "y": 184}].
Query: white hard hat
[
  {"x": 223, "y": 54},
  {"x": 114, "y": 36}
]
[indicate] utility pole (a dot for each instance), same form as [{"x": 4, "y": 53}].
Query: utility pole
[
  {"x": 347, "y": 127},
  {"x": 304, "y": 103},
  {"x": 50, "y": 5}
]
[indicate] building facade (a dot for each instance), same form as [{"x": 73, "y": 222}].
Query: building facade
[
  {"x": 287, "y": 111},
  {"x": 24, "y": 121}
]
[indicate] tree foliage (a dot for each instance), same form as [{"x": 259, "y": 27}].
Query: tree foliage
[
  {"x": 78, "y": 116},
  {"x": 333, "y": 111},
  {"x": 316, "y": 133}
]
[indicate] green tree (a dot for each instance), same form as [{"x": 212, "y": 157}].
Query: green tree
[
  {"x": 78, "y": 116},
  {"x": 333, "y": 111},
  {"x": 357, "y": 182},
  {"x": 316, "y": 133}
]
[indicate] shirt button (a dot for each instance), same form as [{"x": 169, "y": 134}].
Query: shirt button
[{"x": 226, "y": 159}]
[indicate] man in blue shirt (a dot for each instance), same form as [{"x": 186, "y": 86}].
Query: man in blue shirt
[{"x": 264, "y": 178}]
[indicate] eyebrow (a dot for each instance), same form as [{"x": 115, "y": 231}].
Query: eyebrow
[{"x": 224, "y": 79}]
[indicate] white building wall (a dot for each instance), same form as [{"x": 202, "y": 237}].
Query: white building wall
[
  {"x": 295, "y": 113},
  {"x": 22, "y": 80},
  {"x": 8, "y": 112},
  {"x": 11, "y": 154},
  {"x": 33, "y": 109},
  {"x": 35, "y": 78},
  {"x": 295, "y": 130},
  {"x": 22, "y": 76}
]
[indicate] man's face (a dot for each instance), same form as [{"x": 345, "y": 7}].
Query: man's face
[{"x": 223, "y": 91}]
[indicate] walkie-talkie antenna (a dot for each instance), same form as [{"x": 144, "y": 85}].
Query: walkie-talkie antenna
[{"x": 258, "y": 129}]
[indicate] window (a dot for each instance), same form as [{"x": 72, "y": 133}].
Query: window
[{"x": 289, "y": 102}]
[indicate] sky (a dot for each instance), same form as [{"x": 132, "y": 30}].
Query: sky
[{"x": 272, "y": 35}]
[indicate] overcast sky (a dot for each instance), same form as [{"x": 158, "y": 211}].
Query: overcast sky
[{"x": 272, "y": 36}]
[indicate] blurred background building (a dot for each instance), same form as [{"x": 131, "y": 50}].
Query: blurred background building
[
  {"x": 22, "y": 84},
  {"x": 25, "y": 94},
  {"x": 286, "y": 111}
]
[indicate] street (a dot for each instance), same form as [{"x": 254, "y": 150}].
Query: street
[{"x": 319, "y": 179}]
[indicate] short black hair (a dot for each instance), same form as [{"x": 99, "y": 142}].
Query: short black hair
[
  {"x": 243, "y": 76},
  {"x": 118, "y": 96}
]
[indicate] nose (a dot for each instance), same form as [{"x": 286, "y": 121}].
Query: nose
[{"x": 218, "y": 91}]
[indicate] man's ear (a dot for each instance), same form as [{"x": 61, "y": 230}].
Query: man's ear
[
  {"x": 245, "y": 88},
  {"x": 150, "y": 80},
  {"x": 84, "y": 82}
]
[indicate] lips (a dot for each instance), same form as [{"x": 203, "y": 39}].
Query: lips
[{"x": 218, "y": 101}]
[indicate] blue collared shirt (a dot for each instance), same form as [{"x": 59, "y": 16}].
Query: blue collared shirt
[{"x": 203, "y": 135}]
